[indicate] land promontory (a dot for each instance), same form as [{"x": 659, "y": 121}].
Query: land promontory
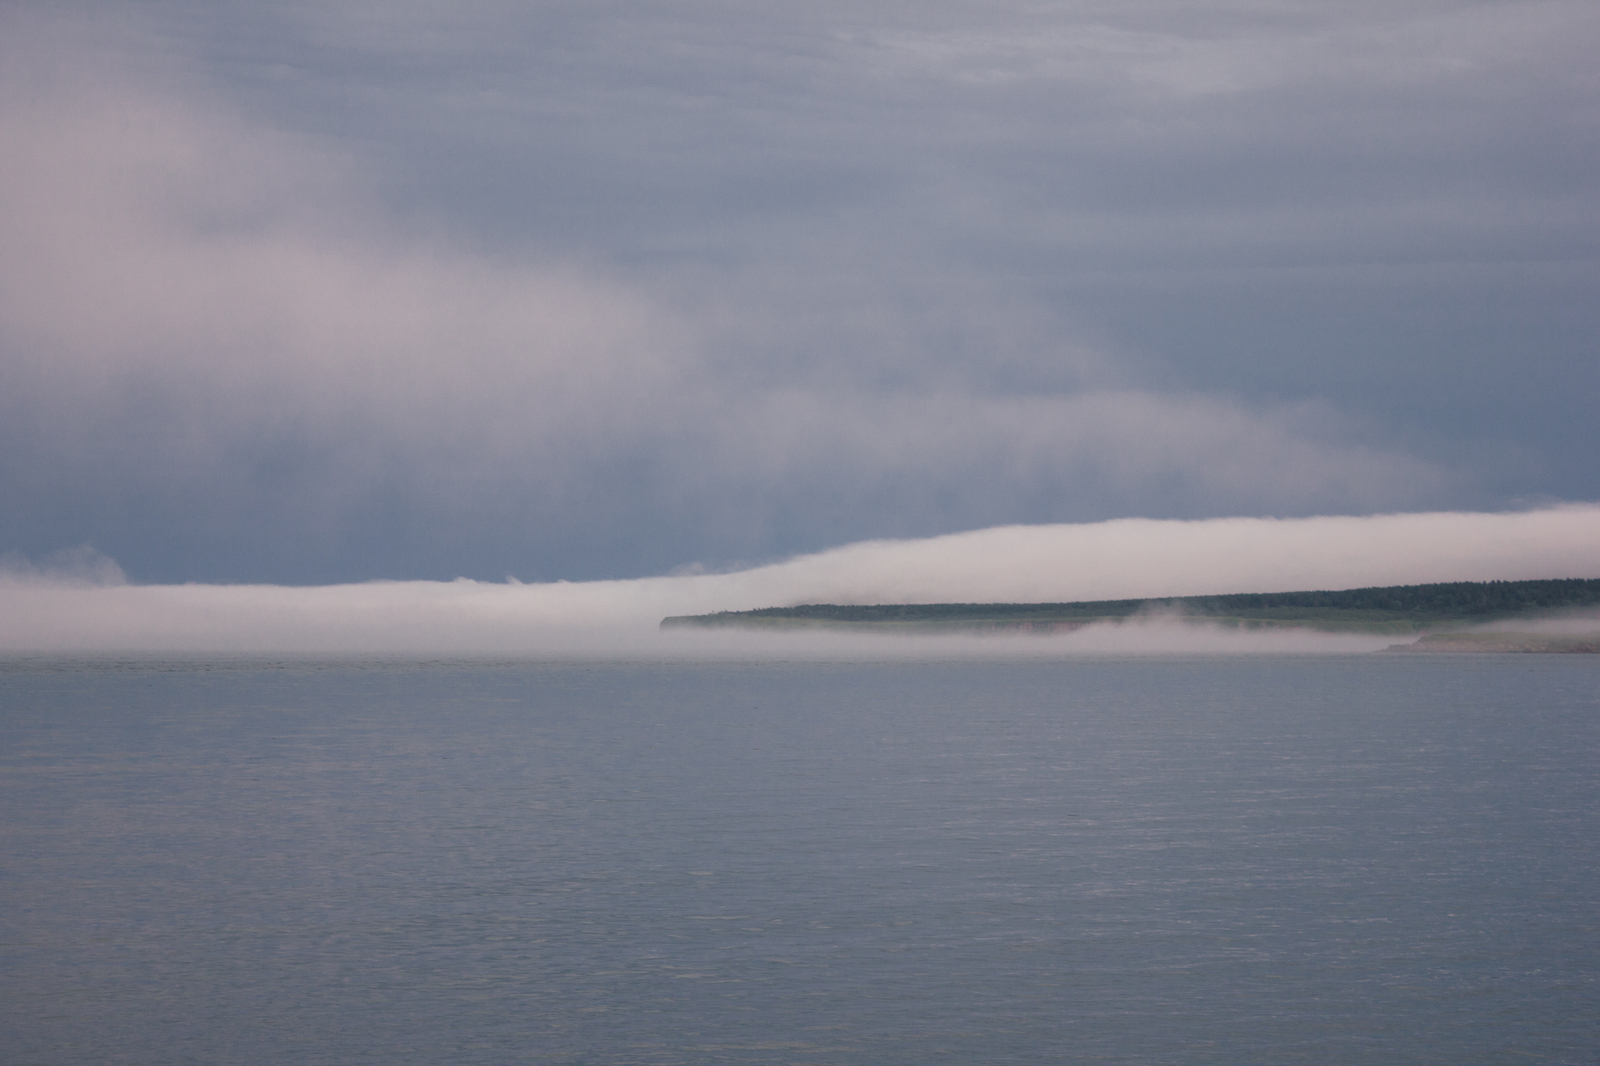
[{"x": 1434, "y": 611}]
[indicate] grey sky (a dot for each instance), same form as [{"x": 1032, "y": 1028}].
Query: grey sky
[{"x": 310, "y": 292}]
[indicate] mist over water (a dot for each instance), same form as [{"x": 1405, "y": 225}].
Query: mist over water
[{"x": 1125, "y": 559}]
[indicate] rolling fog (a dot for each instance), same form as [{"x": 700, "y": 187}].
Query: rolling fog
[{"x": 74, "y": 603}]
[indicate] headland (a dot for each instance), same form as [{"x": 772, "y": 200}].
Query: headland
[{"x": 1448, "y": 616}]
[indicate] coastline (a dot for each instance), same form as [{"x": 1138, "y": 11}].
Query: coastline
[{"x": 1457, "y": 617}]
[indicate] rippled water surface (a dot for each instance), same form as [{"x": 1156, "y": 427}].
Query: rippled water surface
[{"x": 1270, "y": 860}]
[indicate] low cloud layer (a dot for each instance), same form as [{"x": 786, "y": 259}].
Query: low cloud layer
[
  {"x": 240, "y": 342},
  {"x": 80, "y": 567},
  {"x": 1121, "y": 559}
]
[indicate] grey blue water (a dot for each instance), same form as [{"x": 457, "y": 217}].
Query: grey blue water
[{"x": 1358, "y": 859}]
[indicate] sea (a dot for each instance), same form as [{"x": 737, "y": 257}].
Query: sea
[{"x": 1271, "y": 859}]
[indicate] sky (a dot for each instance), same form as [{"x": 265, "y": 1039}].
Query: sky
[{"x": 319, "y": 293}]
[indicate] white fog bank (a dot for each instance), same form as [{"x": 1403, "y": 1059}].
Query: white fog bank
[{"x": 1124, "y": 559}]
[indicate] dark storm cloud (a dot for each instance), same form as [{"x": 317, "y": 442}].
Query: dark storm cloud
[{"x": 309, "y": 292}]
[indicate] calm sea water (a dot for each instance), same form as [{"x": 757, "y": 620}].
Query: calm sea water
[{"x": 1271, "y": 860}]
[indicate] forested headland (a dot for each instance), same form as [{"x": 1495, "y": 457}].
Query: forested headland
[{"x": 1393, "y": 609}]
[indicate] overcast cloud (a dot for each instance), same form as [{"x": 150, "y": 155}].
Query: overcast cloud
[{"x": 328, "y": 292}]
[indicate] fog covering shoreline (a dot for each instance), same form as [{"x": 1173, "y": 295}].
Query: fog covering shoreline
[
  {"x": 1397, "y": 609},
  {"x": 82, "y": 611}
]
